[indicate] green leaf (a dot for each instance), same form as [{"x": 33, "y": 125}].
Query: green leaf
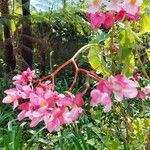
[
  {"x": 102, "y": 36},
  {"x": 129, "y": 65},
  {"x": 145, "y": 23},
  {"x": 97, "y": 62},
  {"x": 145, "y": 4},
  {"x": 148, "y": 54},
  {"x": 127, "y": 39}
]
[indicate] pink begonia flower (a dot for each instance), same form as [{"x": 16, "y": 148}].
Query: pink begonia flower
[
  {"x": 97, "y": 97},
  {"x": 122, "y": 15},
  {"x": 141, "y": 95},
  {"x": 96, "y": 19},
  {"x": 137, "y": 76},
  {"x": 42, "y": 103},
  {"x": 123, "y": 87},
  {"x": 132, "y": 6},
  {"x": 55, "y": 119},
  {"x": 94, "y": 5},
  {"x": 26, "y": 111},
  {"x": 134, "y": 17},
  {"x": 104, "y": 86},
  {"x": 78, "y": 100},
  {"x": 114, "y": 5},
  {"x": 25, "y": 77},
  {"x": 73, "y": 115},
  {"x": 11, "y": 97},
  {"x": 109, "y": 20},
  {"x": 146, "y": 90}
]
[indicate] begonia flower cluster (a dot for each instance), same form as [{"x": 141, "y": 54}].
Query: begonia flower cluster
[
  {"x": 117, "y": 88},
  {"x": 41, "y": 103},
  {"x": 107, "y": 12}
]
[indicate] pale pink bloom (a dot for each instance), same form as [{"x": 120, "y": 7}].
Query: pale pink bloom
[
  {"x": 109, "y": 20},
  {"x": 104, "y": 99},
  {"x": 73, "y": 115},
  {"x": 24, "y": 91},
  {"x": 132, "y": 6},
  {"x": 54, "y": 124},
  {"x": 11, "y": 97},
  {"x": 123, "y": 87},
  {"x": 96, "y": 19},
  {"x": 146, "y": 90},
  {"x": 114, "y": 5},
  {"x": 134, "y": 17},
  {"x": 94, "y": 5}
]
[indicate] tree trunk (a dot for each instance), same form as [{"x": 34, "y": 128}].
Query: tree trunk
[
  {"x": 9, "y": 57},
  {"x": 26, "y": 47}
]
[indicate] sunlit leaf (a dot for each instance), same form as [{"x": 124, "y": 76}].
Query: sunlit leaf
[
  {"x": 95, "y": 59},
  {"x": 127, "y": 40},
  {"x": 129, "y": 65},
  {"x": 145, "y": 23}
]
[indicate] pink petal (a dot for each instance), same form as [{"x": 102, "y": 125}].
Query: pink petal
[
  {"x": 35, "y": 122},
  {"x": 107, "y": 108},
  {"x": 95, "y": 97},
  {"x": 146, "y": 90},
  {"x": 130, "y": 92},
  {"x": 131, "y": 9},
  {"x": 78, "y": 101},
  {"x": 118, "y": 96},
  {"x": 21, "y": 115},
  {"x": 8, "y": 99},
  {"x": 53, "y": 125}
]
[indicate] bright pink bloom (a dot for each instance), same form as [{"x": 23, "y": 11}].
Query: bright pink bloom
[
  {"x": 24, "y": 78},
  {"x": 78, "y": 100},
  {"x": 123, "y": 87},
  {"x": 120, "y": 15},
  {"x": 104, "y": 86},
  {"x": 96, "y": 19},
  {"x": 137, "y": 76},
  {"x": 109, "y": 20}
]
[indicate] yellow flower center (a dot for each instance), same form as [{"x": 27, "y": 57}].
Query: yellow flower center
[
  {"x": 95, "y": 2},
  {"x": 43, "y": 102},
  {"x": 13, "y": 97},
  {"x": 133, "y": 2}
]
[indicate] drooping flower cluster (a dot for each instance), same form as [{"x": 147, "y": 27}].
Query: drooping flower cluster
[
  {"x": 118, "y": 87},
  {"x": 41, "y": 103},
  {"x": 113, "y": 10}
]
